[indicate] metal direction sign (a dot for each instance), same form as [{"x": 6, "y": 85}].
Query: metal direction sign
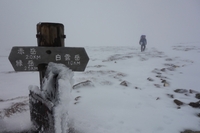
[{"x": 29, "y": 58}]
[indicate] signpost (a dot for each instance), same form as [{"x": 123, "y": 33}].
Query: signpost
[
  {"x": 50, "y": 39},
  {"x": 29, "y": 58}
]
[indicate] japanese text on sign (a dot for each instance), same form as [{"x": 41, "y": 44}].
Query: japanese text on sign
[
  {"x": 68, "y": 57},
  {"x": 29, "y": 59}
]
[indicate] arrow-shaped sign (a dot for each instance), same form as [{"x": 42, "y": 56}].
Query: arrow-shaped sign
[{"x": 29, "y": 58}]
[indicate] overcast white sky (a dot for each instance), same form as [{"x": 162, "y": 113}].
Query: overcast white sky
[{"x": 102, "y": 22}]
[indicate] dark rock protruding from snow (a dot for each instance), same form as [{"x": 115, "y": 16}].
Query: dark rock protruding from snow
[
  {"x": 197, "y": 95},
  {"x": 124, "y": 83},
  {"x": 195, "y": 104},
  {"x": 193, "y": 91},
  {"x": 181, "y": 91},
  {"x": 86, "y": 83},
  {"x": 150, "y": 79},
  {"x": 170, "y": 95},
  {"x": 178, "y": 102},
  {"x": 157, "y": 85},
  {"x": 165, "y": 83},
  {"x": 190, "y": 131}
]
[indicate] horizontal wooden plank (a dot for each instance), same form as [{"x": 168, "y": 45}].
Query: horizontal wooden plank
[{"x": 29, "y": 58}]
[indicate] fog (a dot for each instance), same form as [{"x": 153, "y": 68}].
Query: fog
[{"x": 102, "y": 22}]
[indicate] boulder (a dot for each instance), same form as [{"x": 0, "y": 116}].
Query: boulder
[
  {"x": 195, "y": 104},
  {"x": 193, "y": 91},
  {"x": 178, "y": 102},
  {"x": 170, "y": 95},
  {"x": 163, "y": 69},
  {"x": 86, "y": 83},
  {"x": 181, "y": 91},
  {"x": 124, "y": 83},
  {"x": 157, "y": 85},
  {"x": 190, "y": 131},
  {"x": 197, "y": 95},
  {"x": 150, "y": 79}
]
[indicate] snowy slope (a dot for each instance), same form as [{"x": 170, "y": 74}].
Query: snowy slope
[{"x": 105, "y": 105}]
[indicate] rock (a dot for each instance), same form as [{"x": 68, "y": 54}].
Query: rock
[
  {"x": 197, "y": 95},
  {"x": 150, "y": 79},
  {"x": 87, "y": 83},
  {"x": 166, "y": 84},
  {"x": 163, "y": 69},
  {"x": 157, "y": 71},
  {"x": 76, "y": 102},
  {"x": 176, "y": 66},
  {"x": 171, "y": 68},
  {"x": 190, "y": 131},
  {"x": 137, "y": 88},
  {"x": 193, "y": 91},
  {"x": 157, "y": 85},
  {"x": 186, "y": 94},
  {"x": 168, "y": 59},
  {"x": 195, "y": 105},
  {"x": 171, "y": 65},
  {"x": 178, "y": 102},
  {"x": 124, "y": 83},
  {"x": 181, "y": 91},
  {"x": 170, "y": 95},
  {"x": 77, "y": 98},
  {"x": 160, "y": 76},
  {"x": 163, "y": 81}
]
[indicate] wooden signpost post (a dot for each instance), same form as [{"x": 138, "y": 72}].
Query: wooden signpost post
[{"x": 50, "y": 38}]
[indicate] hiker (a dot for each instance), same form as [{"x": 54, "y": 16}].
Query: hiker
[{"x": 143, "y": 42}]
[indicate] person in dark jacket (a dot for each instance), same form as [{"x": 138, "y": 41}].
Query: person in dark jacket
[{"x": 143, "y": 42}]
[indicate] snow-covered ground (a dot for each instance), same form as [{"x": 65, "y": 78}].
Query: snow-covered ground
[{"x": 126, "y": 92}]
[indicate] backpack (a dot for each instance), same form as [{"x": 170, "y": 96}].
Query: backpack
[{"x": 142, "y": 38}]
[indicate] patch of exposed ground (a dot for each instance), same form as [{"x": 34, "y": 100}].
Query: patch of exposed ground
[
  {"x": 17, "y": 105},
  {"x": 186, "y": 48}
]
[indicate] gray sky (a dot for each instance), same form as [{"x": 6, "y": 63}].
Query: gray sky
[{"x": 102, "y": 22}]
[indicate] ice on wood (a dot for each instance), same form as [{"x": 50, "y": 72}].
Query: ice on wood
[
  {"x": 63, "y": 77},
  {"x": 56, "y": 87}
]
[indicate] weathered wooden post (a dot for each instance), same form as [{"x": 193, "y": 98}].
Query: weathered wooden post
[{"x": 49, "y": 35}]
